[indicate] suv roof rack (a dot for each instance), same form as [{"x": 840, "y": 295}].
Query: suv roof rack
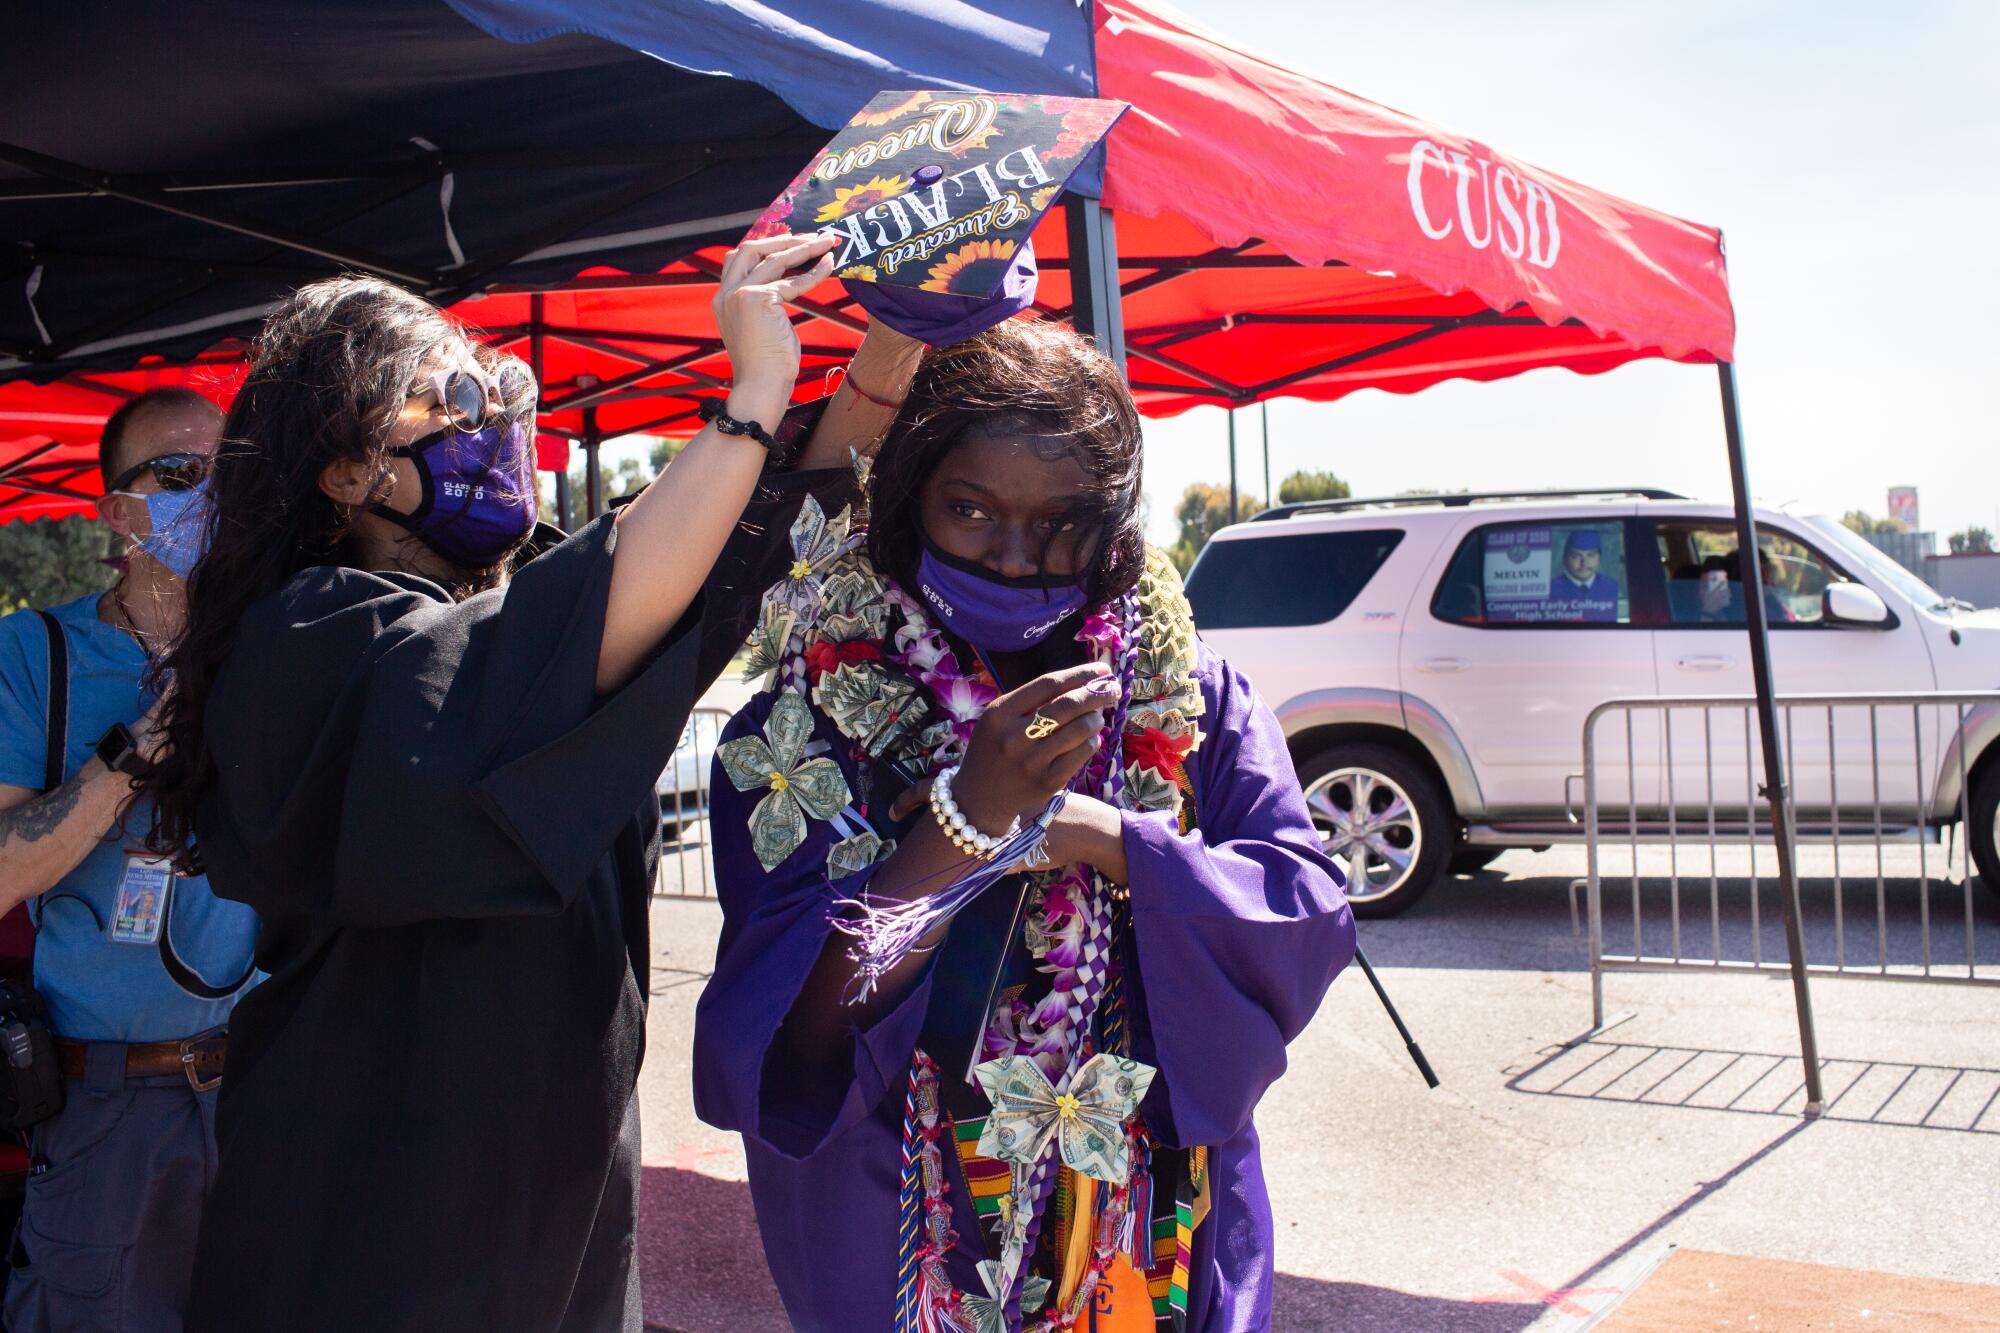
[{"x": 1461, "y": 500}]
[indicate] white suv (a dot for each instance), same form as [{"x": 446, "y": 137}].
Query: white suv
[{"x": 1433, "y": 660}]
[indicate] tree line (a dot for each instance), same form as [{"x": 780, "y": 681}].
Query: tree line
[{"x": 1204, "y": 509}]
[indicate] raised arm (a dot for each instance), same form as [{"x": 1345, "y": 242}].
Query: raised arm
[
  {"x": 670, "y": 536},
  {"x": 864, "y": 406}
]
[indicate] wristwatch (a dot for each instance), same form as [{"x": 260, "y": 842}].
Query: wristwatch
[{"x": 119, "y": 752}]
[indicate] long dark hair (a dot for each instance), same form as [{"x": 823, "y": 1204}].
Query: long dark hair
[
  {"x": 329, "y": 375},
  {"x": 1032, "y": 378}
]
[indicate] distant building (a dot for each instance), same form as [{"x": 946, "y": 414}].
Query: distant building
[{"x": 1973, "y": 578}]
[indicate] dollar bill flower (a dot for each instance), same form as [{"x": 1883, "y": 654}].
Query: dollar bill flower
[
  {"x": 799, "y": 787},
  {"x": 818, "y": 542}
]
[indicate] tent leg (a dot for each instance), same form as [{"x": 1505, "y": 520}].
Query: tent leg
[
  {"x": 537, "y": 365},
  {"x": 1230, "y": 412},
  {"x": 1270, "y": 496},
  {"x": 1095, "y": 300},
  {"x": 1775, "y": 793},
  {"x": 593, "y": 480}
]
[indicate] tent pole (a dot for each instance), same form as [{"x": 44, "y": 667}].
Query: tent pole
[
  {"x": 1775, "y": 794},
  {"x": 537, "y": 365},
  {"x": 593, "y": 482},
  {"x": 563, "y": 501},
  {"x": 1231, "y": 410},
  {"x": 1093, "y": 275},
  {"x": 1264, "y": 410}
]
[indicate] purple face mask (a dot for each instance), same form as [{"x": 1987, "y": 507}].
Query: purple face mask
[
  {"x": 479, "y": 493},
  {"x": 991, "y": 611}
]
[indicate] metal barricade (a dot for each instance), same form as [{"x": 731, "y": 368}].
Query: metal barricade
[
  {"x": 1885, "y": 778},
  {"x": 687, "y": 860}
]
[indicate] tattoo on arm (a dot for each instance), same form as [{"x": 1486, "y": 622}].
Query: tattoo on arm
[{"x": 42, "y": 816}]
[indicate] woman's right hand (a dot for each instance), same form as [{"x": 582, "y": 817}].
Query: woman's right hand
[
  {"x": 757, "y": 332},
  {"x": 1006, "y": 774}
]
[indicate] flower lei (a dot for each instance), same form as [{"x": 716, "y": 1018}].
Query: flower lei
[{"x": 870, "y": 659}]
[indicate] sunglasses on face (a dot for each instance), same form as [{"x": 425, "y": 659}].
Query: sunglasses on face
[
  {"x": 471, "y": 399},
  {"x": 173, "y": 472}
]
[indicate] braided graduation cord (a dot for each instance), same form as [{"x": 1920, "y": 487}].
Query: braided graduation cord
[
  {"x": 909, "y": 1209},
  {"x": 1032, "y": 1193},
  {"x": 1111, "y": 1016},
  {"x": 1128, "y": 666}
]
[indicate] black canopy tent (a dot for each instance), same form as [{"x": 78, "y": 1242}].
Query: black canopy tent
[{"x": 141, "y": 183}]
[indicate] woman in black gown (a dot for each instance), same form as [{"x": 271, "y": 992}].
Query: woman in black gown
[{"x": 434, "y": 782}]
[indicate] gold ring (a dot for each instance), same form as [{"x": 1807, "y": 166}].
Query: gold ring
[{"x": 1041, "y": 727}]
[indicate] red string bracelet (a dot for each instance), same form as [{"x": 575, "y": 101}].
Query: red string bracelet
[{"x": 847, "y": 378}]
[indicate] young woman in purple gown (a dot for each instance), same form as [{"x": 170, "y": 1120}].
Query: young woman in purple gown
[{"x": 1041, "y": 1115}]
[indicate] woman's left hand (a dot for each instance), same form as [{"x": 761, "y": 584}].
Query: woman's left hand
[
  {"x": 1085, "y": 832},
  {"x": 1089, "y": 832}
]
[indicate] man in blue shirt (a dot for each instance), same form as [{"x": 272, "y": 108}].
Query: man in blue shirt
[{"x": 139, "y": 968}]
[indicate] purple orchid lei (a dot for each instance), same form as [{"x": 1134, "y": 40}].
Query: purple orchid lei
[{"x": 1058, "y": 900}]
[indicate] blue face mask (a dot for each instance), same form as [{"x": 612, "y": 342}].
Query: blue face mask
[
  {"x": 180, "y": 527},
  {"x": 992, "y": 611}
]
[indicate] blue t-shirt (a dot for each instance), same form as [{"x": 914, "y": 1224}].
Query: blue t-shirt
[{"x": 98, "y": 988}]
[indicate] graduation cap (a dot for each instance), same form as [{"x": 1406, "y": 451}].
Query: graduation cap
[{"x": 934, "y": 194}]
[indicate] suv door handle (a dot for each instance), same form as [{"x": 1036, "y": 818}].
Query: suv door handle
[
  {"x": 1705, "y": 663},
  {"x": 1442, "y": 666}
]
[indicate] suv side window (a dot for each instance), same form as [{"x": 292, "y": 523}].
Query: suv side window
[
  {"x": 1287, "y": 578},
  {"x": 1552, "y": 573},
  {"x": 1705, "y": 583}
]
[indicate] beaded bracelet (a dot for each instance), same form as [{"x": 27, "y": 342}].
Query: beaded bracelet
[{"x": 954, "y": 823}]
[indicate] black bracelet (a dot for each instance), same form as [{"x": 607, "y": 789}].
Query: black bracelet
[{"x": 712, "y": 412}]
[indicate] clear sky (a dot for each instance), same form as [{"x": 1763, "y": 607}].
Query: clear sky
[{"x": 1851, "y": 155}]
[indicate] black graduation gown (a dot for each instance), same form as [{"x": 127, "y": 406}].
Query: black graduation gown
[{"x": 428, "y": 1120}]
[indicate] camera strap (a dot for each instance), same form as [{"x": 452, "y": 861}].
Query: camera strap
[
  {"x": 57, "y": 753},
  {"x": 182, "y": 975}
]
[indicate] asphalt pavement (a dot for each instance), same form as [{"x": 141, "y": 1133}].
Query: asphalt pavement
[{"x": 1542, "y": 1180}]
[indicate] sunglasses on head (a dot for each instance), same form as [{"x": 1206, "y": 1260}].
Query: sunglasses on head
[
  {"x": 471, "y": 398},
  {"x": 173, "y": 472}
]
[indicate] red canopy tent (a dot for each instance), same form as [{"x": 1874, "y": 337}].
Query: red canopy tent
[{"x": 1273, "y": 236}]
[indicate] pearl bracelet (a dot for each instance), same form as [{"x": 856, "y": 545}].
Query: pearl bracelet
[{"x": 954, "y": 823}]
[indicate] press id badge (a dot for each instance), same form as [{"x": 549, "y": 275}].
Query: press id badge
[{"x": 142, "y": 899}]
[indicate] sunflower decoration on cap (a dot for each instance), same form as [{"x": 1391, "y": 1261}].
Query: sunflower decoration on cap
[
  {"x": 976, "y": 266},
  {"x": 860, "y": 198}
]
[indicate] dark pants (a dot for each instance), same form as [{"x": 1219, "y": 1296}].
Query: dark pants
[{"x": 107, "y": 1235}]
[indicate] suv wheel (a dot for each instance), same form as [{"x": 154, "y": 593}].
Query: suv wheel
[
  {"x": 1984, "y": 834},
  {"x": 1383, "y": 820}
]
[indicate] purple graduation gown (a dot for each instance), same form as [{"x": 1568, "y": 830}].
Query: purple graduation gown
[{"x": 1237, "y": 930}]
